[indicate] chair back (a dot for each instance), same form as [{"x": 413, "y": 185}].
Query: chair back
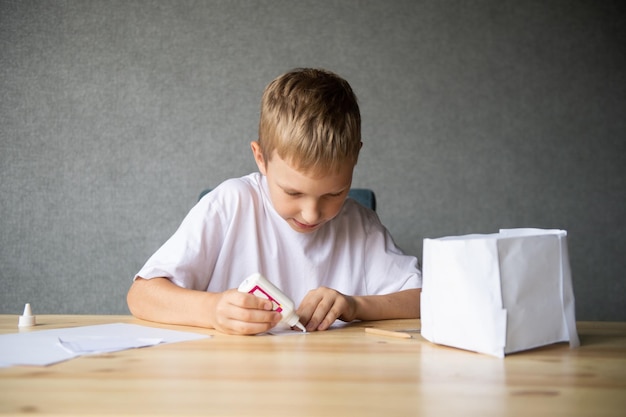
[{"x": 364, "y": 196}]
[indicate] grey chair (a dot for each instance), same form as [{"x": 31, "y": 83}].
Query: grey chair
[{"x": 363, "y": 196}]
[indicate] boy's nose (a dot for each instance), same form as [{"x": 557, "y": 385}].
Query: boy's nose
[{"x": 311, "y": 212}]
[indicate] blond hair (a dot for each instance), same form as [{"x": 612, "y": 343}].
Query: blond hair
[{"x": 311, "y": 118}]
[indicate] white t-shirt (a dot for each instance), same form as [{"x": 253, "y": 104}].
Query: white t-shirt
[{"x": 234, "y": 231}]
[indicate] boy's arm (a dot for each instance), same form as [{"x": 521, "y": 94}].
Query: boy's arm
[
  {"x": 399, "y": 305},
  {"x": 322, "y": 306},
  {"x": 160, "y": 300}
]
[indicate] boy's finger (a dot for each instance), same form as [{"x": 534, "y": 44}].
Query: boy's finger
[
  {"x": 322, "y": 311},
  {"x": 254, "y": 316},
  {"x": 308, "y": 306},
  {"x": 252, "y": 301},
  {"x": 246, "y": 328},
  {"x": 330, "y": 318}
]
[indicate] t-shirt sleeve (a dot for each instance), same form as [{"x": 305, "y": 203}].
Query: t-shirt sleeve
[
  {"x": 388, "y": 268},
  {"x": 186, "y": 257}
]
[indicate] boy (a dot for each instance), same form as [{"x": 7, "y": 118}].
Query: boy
[{"x": 291, "y": 222}]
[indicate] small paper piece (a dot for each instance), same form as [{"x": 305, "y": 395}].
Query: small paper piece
[
  {"x": 284, "y": 332},
  {"x": 46, "y": 347},
  {"x": 281, "y": 329}
]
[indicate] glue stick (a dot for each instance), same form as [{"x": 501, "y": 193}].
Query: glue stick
[{"x": 258, "y": 285}]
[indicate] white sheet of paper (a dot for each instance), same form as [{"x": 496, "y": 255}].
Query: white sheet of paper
[
  {"x": 46, "y": 347},
  {"x": 284, "y": 330},
  {"x": 281, "y": 329},
  {"x": 85, "y": 345}
]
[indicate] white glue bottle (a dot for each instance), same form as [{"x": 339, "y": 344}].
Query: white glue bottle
[{"x": 258, "y": 285}]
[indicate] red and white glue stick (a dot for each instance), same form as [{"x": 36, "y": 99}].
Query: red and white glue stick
[{"x": 258, "y": 285}]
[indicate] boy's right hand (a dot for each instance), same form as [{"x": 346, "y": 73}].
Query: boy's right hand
[{"x": 236, "y": 312}]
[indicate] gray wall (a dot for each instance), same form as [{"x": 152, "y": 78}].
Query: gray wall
[{"x": 477, "y": 115}]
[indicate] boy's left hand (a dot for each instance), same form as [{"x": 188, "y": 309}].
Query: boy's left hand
[{"x": 322, "y": 306}]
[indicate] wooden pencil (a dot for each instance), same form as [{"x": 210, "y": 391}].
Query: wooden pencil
[{"x": 390, "y": 333}]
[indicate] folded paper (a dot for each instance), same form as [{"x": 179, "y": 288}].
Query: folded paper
[
  {"x": 46, "y": 347},
  {"x": 498, "y": 293}
]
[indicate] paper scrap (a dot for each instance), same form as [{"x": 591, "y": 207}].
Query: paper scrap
[
  {"x": 284, "y": 332},
  {"x": 85, "y": 345},
  {"x": 46, "y": 347}
]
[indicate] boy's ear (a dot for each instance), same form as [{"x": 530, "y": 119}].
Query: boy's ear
[
  {"x": 258, "y": 156},
  {"x": 357, "y": 155}
]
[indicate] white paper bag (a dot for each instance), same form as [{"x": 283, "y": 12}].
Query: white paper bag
[{"x": 498, "y": 293}]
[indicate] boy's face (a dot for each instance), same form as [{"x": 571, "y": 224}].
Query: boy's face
[{"x": 304, "y": 200}]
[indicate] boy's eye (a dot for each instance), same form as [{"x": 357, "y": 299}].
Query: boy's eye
[
  {"x": 299, "y": 194},
  {"x": 334, "y": 195}
]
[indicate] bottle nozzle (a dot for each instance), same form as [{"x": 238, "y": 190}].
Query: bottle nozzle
[
  {"x": 300, "y": 326},
  {"x": 27, "y": 319}
]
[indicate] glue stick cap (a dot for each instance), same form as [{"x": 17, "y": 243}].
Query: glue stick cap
[{"x": 27, "y": 319}]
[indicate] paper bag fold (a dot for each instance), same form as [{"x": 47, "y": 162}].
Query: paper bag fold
[{"x": 498, "y": 293}]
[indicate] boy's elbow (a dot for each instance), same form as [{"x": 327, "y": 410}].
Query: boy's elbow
[{"x": 133, "y": 297}]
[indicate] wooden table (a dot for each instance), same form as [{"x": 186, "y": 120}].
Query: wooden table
[{"x": 340, "y": 372}]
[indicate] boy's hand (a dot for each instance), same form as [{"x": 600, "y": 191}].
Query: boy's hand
[
  {"x": 322, "y": 306},
  {"x": 241, "y": 313}
]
